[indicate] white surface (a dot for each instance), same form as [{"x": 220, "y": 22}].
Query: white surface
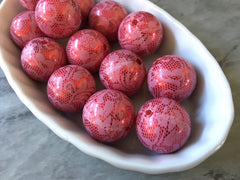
[{"x": 210, "y": 107}]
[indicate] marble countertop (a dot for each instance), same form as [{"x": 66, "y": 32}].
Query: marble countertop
[{"x": 29, "y": 150}]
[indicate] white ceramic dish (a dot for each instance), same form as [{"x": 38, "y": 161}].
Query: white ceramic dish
[{"x": 210, "y": 107}]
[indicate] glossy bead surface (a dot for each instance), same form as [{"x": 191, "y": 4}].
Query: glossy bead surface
[
  {"x": 24, "y": 28},
  {"x": 87, "y": 48},
  {"x": 108, "y": 115},
  {"x": 140, "y": 32},
  {"x": 58, "y": 19},
  {"x": 106, "y": 17},
  {"x": 123, "y": 70},
  {"x": 85, "y": 6},
  {"x": 171, "y": 76},
  {"x": 163, "y": 125},
  {"x": 29, "y": 4},
  {"x": 41, "y": 56},
  {"x": 69, "y": 88}
]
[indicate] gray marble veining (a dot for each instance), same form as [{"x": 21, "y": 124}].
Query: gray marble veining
[{"x": 30, "y": 151}]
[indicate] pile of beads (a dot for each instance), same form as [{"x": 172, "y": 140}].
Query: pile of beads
[{"x": 162, "y": 124}]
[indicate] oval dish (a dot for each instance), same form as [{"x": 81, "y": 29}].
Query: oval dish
[{"x": 210, "y": 107}]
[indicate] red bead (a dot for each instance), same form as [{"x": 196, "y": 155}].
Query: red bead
[
  {"x": 173, "y": 77},
  {"x": 69, "y": 88},
  {"x": 140, "y": 32},
  {"x": 24, "y": 28},
  {"x": 87, "y": 48},
  {"x": 85, "y": 6},
  {"x": 163, "y": 125},
  {"x": 106, "y": 17},
  {"x": 41, "y": 56},
  {"x": 108, "y": 115},
  {"x": 58, "y": 19},
  {"x": 29, "y": 4},
  {"x": 123, "y": 70}
]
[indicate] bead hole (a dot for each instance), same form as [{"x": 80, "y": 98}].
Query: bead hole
[
  {"x": 139, "y": 61},
  {"x": 148, "y": 112},
  {"x": 134, "y": 22}
]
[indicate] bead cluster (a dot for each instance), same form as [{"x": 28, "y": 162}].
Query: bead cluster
[{"x": 162, "y": 124}]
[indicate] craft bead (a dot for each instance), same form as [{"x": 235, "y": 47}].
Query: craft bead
[
  {"x": 163, "y": 125},
  {"x": 24, "y": 28},
  {"x": 87, "y": 48},
  {"x": 58, "y": 18},
  {"x": 108, "y": 115},
  {"x": 140, "y": 32},
  {"x": 69, "y": 88},
  {"x": 41, "y": 56},
  {"x": 106, "y": 17},
  {"x": 123, "y": 70},
  {"x": 173, "y": 77}
]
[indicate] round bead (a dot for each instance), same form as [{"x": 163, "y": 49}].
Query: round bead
[
  {"x": 24, "y": 28},
  {"x": 29, "y": 4},
  {"x": 69, "y": 88},
  {"x": 41, "y": 56},
  {"x": 85, "y": 6},
  {"x": 173, "y": 77},
  {"x": 140, "y": 32},
  {"x": 108, "y": 115},
  {"x": 123, "y": 70},
  {"x": 106, "y": 17},
  {"x": 87, "y": 48},
  {"x": 58, "y": 19},
  {"x": 163, "y": 125}
]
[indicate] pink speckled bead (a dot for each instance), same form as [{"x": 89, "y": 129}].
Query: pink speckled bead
[
  {"x": 29, "y": 4},
  {"x": 41, "y": 56},
  {"x": 171, "y": 76},
  {"x": 87, "y": 48},
  {"x": 106, "y": 17},
  {"x": 85, "y": 6},
  {"x": 163, "y": 125},
  {"x": 69, "y": 88},
  {"x": 24, "y": 28},
  {"x": 123, "y": 70},
  {"x": 108, "y": 115},
  {"x": 58, "y": 18},
  {"x": 140, "y": 32}
]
